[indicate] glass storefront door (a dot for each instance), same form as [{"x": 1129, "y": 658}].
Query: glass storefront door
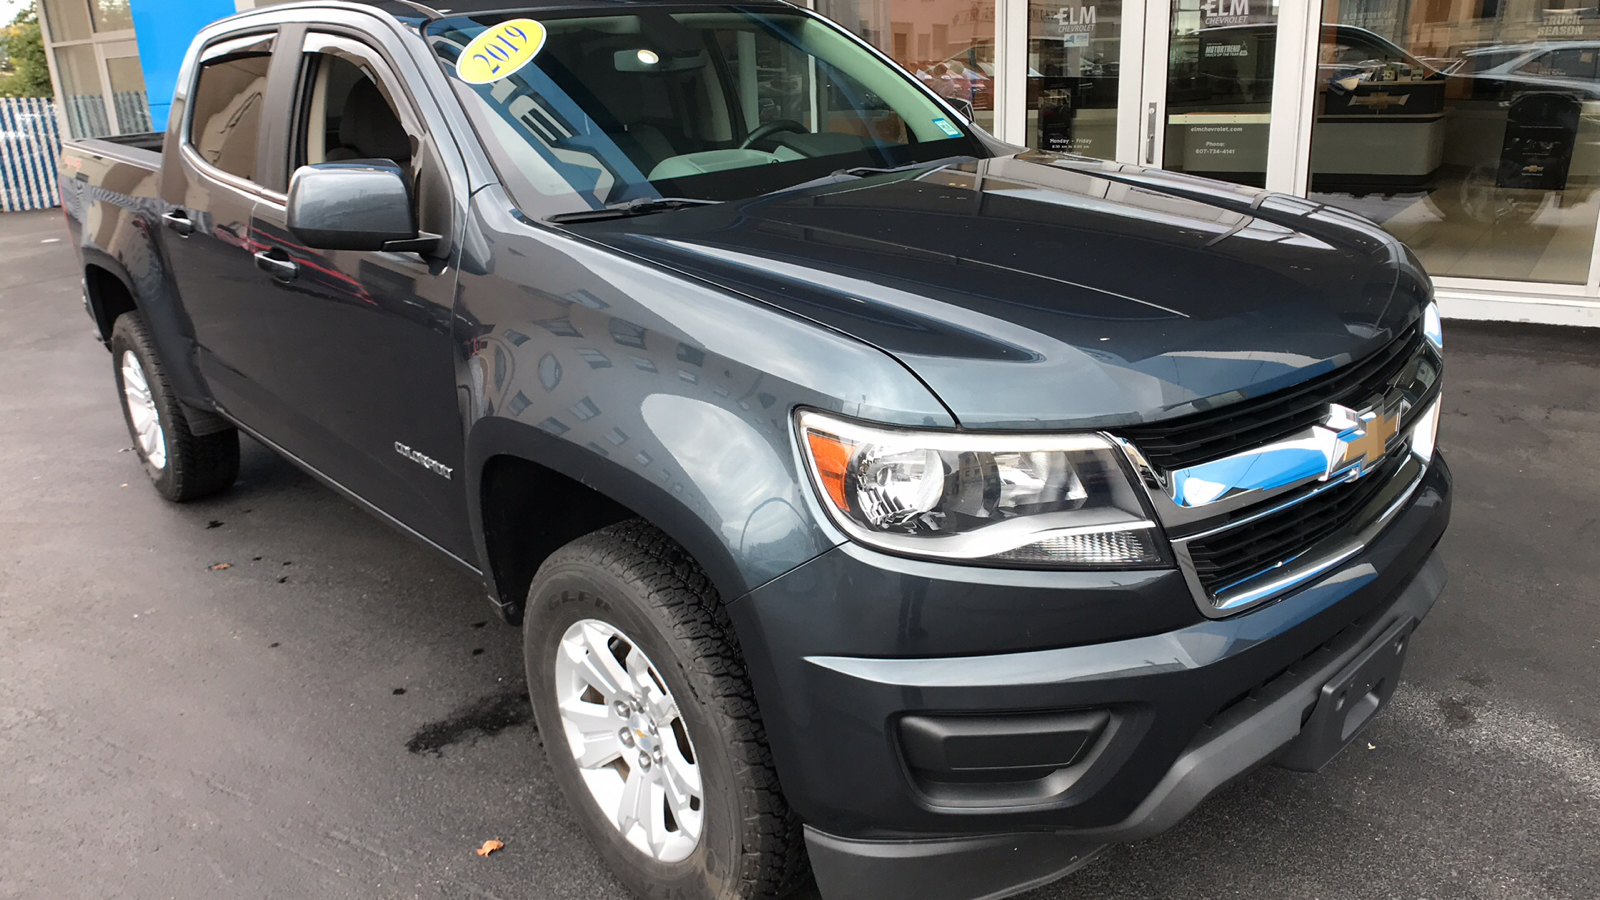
[
  {"x": 1471, "y": 131},
  {"x": 1074, "y": 76},
  {"x": 1221, "y": 55}
]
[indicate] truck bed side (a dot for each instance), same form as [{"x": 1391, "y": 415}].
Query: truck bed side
[{"x": 110, "y": 193}]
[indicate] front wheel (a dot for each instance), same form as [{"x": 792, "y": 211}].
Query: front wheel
[
  {"x": 181, "y": 464},
  {"x": 648, "y": 720}
]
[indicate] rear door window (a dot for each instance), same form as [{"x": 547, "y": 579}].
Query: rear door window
[{"x": 225, "y": 111}]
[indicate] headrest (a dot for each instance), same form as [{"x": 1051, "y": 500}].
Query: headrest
[{"x": 369, "y": 125}]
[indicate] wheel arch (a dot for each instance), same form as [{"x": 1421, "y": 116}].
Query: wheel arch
[
  {"x": 108, "y": 290},
  {"x": 513, "y": 466}
]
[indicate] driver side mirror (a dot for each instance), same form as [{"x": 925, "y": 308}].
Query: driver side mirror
[
  {"x": 964, "y": 107},
  {"x": 356, "y": 205}
]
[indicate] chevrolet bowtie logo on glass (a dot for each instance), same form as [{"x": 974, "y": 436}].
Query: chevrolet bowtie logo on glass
[{"x": 1346, "y": 445}]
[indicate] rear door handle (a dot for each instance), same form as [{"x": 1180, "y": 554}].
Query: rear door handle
[
  {"x": 178, "y": 221},
  {"x": 275, "y": 263}
]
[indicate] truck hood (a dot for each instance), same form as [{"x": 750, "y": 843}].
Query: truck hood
[{"x": 1043, "y": 292}]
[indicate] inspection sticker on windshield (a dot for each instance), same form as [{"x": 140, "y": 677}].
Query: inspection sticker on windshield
[
  {"x": 500, "y": 50},
  {"x": 946, "y": 127}
]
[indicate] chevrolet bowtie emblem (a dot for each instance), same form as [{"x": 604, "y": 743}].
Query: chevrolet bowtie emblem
[{"x": 1362, "y": 438}]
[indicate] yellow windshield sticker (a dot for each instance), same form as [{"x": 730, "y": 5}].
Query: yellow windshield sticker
[{"x": 500, "y": 50}]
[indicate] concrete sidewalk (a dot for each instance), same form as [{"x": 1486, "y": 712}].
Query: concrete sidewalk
[{"x": 339, "y": 715}]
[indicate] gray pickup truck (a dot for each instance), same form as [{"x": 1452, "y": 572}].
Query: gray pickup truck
[{"x": 876, "y": 499}]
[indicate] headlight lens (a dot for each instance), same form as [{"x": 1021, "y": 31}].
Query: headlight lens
[
  {"x": 1061, "y": 501},
  {"x": 1433, "y": 325}
]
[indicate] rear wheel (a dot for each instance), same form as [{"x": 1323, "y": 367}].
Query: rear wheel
[
  {"x": 182, "y": 465},
  {"x": 645, "y": 709}
]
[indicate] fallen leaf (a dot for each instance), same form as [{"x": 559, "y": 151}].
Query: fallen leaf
[
  {"x": 489, "y": 847},
  {"x": 220, "y": 566}
]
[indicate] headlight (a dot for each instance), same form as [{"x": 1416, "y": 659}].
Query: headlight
[
  {"x": 1061, "y": 501},
  {"x": 1433, "y": 326}
]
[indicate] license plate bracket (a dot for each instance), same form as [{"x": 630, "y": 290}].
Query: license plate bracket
[{"x": 1350, "y": 700}]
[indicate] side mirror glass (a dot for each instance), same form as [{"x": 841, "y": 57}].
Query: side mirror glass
[{"x": 355, "y": 205}]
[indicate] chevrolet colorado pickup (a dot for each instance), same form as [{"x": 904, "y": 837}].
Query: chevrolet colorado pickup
[{"x": 875, "y": 498}]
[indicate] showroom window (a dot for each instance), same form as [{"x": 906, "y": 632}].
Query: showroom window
[
  {"x": 1467, "y": 129},
  {"x": 947, "y": 44},
  {"x": 95, "y": 63}
]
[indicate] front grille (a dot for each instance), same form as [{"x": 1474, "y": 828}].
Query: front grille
[
  {"x": 1228, "y": 558},
  {"x": 1205, "y": 436}
]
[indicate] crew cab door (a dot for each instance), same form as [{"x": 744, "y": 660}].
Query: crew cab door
[
  {"x": 210, "y": 185},
  {"x": 368, "y": 373}
]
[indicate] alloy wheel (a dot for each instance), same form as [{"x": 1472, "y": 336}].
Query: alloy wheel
[
  {"x": 629, "y": 740},
  {"x": 142, "y": 411}
]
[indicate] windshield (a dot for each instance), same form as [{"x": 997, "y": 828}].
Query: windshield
[{"x": 713, "y": 103}]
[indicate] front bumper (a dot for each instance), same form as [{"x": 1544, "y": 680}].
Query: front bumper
[{"x": 1191, "y": 705}]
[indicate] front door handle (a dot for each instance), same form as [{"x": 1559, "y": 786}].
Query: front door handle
[
  {"x": 178, "y": 221},
  {"x": 275, "y": 263}
]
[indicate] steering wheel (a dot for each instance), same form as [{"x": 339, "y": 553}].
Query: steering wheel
[{"x": 763, "y": 132}]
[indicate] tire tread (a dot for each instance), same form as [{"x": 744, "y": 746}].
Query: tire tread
[
  {"x": 200, "y": 464},
  {"x": 665, "y": 576}
]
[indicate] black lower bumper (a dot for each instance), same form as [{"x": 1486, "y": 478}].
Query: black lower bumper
[
  {"x": 957, "y": 732},
  {"x": 1278, "y": 721}
]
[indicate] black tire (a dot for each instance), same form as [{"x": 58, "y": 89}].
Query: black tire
[
  {"x": 194, "y": 466},
  {"x": 637, "y": 580}
]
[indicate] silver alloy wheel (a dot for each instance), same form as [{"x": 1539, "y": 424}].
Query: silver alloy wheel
[
  {"x": 631, "y": 744},
  {"x": 142, "y": 411}
]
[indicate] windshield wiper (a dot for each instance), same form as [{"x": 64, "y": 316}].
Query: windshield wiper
[
  {"x": 841, "y": 176},
  {"x": 643, "y": 206},
  {"x": 864, "y": 171}
]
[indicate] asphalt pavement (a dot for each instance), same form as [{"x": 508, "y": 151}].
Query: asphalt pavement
[{"x": 338, "y": 713}]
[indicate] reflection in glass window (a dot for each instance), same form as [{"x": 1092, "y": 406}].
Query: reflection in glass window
[
  {"x": 1219, "y": 89},
  {"x": 127, "y": 94},
  {"x": 947, "y": 44},
  {"x": 68, "y": 19},
  {"x": 225, "y": 112},
  {"x": 111, "y": 15},
  {"x": 1470, "y": 132},
  {"x": 1074, "y": 62},
  {"x": 82, "y": 92}
]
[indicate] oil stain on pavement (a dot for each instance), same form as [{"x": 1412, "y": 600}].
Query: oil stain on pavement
[{"x": 486, "y": 717}]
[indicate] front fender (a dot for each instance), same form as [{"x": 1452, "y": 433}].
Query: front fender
[
  {"x": 669, "y": 396},
  {"x": 738, "y": 546}
]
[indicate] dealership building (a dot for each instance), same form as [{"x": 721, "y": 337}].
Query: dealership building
[{"x": 1470, "y": 129}]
